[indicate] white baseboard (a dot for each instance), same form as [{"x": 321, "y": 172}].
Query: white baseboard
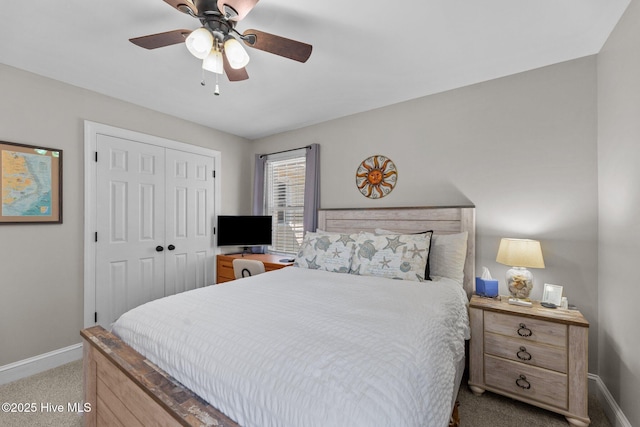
[
  {"x": 609, "y": 404},
  {"x": 35, "y": 365}
]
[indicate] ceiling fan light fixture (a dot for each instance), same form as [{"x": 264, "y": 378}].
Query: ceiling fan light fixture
[
  {"x": 213, "y": 62},
  {"x": 200, "y": 42},
  {"x": 236, "y": 55}
]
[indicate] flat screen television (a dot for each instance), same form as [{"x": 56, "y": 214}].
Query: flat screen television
[{"x": 244, "y": 230}]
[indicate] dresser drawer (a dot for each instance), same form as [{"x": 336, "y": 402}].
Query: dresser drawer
[
  {"x": 529, "y": 329},
  {"x": 225, "y": 270},
  {"x": 526, "y": 381},
  {"x": 225, "y": 264},
  {"x": 528, "y": 352}
]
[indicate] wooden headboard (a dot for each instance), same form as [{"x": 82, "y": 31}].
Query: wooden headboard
[{"x": 442, "y": 220}]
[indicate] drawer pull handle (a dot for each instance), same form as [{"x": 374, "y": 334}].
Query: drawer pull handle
[
  {"x": 523, "y": 331},
  {"x": 523, "y": 354},
  {"x": 523, "y": 383}
]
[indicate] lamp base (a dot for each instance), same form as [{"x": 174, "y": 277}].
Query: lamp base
[{"x": 519, "y": 282}]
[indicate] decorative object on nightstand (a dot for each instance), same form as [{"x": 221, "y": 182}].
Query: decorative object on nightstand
[
  {"x": 532, "y": 354},
  {"x": 520, "y": 254},
  {"x": 552, "y": 296},
  {"x": 486, "y": 286}
]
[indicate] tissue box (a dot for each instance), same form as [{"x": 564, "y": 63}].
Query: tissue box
[{"x": 486, "y": 287}]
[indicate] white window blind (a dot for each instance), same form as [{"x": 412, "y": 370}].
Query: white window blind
[{"x": 284, "y": 201}]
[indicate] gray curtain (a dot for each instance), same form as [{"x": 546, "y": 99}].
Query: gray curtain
[
  {"x": 258, "y": 194},
  {"x": 258, "y": 185},
  {"x": 312, "y": 188}
]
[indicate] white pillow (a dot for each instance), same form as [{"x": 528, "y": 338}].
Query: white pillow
[
  {"x": 395, "y": 256},
  {"x": 448, "y": 253},
  {"x": 326, "y": 251}
]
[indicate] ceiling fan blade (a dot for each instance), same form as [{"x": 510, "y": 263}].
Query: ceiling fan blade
[
  {"x": 185, "y": 6},
  {"x": 232, "y": 74},
  {"x": 154, "y": 41},
  {"x": 241, "y": 7},
  {"x": 271, "y": 43}
]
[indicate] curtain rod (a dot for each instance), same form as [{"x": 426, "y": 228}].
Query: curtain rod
[{"x": 283, "y": 151}]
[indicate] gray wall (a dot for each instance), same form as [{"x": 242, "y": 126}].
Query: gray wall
[
  {"x": 619, "y": 213},
  {"x": 550, "y": 154},
  {"x": 41, "y": 266},
  {"x": 521, "y": 148}
]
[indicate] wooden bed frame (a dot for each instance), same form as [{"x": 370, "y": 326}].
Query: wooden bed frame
[{"x": 125, "y": 389}]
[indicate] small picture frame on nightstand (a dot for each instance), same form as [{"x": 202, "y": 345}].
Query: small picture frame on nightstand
[{"x": 552, "y": 295}]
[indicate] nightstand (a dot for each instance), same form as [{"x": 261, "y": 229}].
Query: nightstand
[
  {"x": 224, "y": 264},
  {"x": 532, "y": 354}
]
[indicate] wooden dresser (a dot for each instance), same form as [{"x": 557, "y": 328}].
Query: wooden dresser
[
  {"x": 533, "y": 354},
  {"x": 224, "y": 264}
]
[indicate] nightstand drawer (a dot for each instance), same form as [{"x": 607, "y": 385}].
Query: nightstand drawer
[
  {"x": 528, "y": 329},
  {"x": 526, "y": 381},
  {"x": 529, "y": 352}
]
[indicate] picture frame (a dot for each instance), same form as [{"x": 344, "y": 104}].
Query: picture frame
[
  {"x": 30, "y": 184},
  {"x": 552, "y": 294}
]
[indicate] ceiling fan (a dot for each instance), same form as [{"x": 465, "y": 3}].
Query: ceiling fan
[{"x": 215, "y": 42}]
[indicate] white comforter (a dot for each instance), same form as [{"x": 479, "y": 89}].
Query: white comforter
[{"x": 305, "y": 348}]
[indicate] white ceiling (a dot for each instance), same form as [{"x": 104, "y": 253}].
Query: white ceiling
[{"x": 366, "y": 54}]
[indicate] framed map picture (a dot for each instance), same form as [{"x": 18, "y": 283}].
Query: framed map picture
[{"x": 31, "y": 184}]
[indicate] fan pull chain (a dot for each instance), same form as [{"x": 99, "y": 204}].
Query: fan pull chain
[
  {"x": 202, "y": 82},
  {"x": 216, "y": 92}
]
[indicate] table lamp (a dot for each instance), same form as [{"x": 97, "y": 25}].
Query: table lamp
[{"x": 520, "y": 254}]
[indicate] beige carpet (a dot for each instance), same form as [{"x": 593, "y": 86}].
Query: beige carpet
[
  {"x": 63, "y": 386},
  {"x": 59, "y": 386},
  {"x": 492, "y": 410}
]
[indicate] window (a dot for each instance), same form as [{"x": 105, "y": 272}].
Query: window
[
  {"x": 286, "y": 187},
  {"x": 284, "y": 200}
]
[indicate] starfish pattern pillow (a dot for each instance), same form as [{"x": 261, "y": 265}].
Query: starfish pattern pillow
[
  {"x": 326, "y": 251},
  {"x": 395, "y": 256}
]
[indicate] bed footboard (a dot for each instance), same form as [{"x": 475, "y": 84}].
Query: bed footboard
[{"x": 125, "y": 389}]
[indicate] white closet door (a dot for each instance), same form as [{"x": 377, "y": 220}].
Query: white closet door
[
  {"x": 130, "y": 219},
  {"x": 189, "y": 221}
]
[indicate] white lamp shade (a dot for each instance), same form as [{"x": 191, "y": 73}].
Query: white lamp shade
[
  {"x": 213, "y": 62},
  {"x": 236, "y": 55},
  {"x": 200, "y": 42},
  {"x": 520, "y": 253}
]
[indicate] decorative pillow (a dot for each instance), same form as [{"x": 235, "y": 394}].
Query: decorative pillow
[
  {"x": 427, "y": 271},
  {"x": 396, "y": 256},
  {"x": 326, "y": 251},
  {"x": 448, "y": 253}
]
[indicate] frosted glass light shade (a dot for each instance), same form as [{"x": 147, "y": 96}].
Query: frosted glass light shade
[
  {"x": 236, "y": 55},
  {"x": 200, "y": 42},
  {"x": 213, "y": 62}
]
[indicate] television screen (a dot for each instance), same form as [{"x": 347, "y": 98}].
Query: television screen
[{"x": 244, "y": 230}]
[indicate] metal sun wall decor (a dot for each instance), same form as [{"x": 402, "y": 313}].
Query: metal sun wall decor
[{"x": 376, "y": 176}]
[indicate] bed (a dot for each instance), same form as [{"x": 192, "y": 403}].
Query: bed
[{"x": 324, "y": 326}]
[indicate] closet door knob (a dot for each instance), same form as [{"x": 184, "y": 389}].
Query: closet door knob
[
  {"x": 171, "y": 247},
  {"x": 159, "y": 249}
]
